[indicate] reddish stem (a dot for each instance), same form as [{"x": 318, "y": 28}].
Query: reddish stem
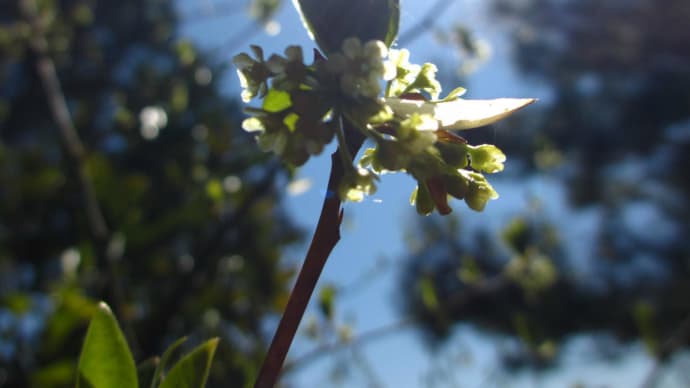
[{"x": 325, "y": 238}]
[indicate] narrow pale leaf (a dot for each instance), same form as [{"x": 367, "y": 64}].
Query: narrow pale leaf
[
  {"x": 164, "y": 361},
  {"x": 330, "y": 22},
  {"x": 460, "y": 113},
  {"x": 146, "y": 370},
  {"x": 192, "y": 370},
  {"x": 105, "y": 360}
]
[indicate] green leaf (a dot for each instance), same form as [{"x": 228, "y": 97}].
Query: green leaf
[
  {"x": 277, "y": 101},
  {"x": 327, "y": 301},
  {"x": 459, "y": 113},
  {"x": 146, "y": 370},
  {"x": 164, "y": 361},
  {"x": 105, "y": 360},
  {"x": 330, "y": 22},
  {"x": 428, "y": 293},
  {"x": 192, "y": 370}
]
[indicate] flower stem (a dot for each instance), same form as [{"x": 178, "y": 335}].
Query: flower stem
[{"x": 325, "y": 238}]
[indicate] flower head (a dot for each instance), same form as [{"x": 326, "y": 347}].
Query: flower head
[{"x": 361, "y": 67}]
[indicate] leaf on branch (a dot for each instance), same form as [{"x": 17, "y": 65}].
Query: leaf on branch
[
  {"x": 192, "y": 370},
  {"x": 460, "y": 114},
  {"x": 105, "y": 360},
  {"x": 163, "y": 363},
  {"x": 330, "y": 22}
]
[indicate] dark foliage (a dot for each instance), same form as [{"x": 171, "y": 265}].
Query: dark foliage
[{"x": 194, "y": 227}]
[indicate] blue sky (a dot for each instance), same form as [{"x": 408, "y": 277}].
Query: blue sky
[{"x": 373, "y": 231}]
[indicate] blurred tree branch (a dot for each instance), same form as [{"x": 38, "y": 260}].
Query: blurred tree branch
[
  {"x": 672, "y": 343},
  {"x": 328, "y": 348},
  {"x": 76, "y": 161}
]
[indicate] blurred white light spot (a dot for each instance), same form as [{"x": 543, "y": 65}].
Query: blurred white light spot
[
  {"x": 232, "y": 184},
  {"x": 116, "y": 246},
  {"x": 299, "y": 186},
  {"x": 153, "y": 119},
  {"x": 377, "y": 200},
  {"x": 272, "y": 28},
  {"x": 203, "y": 76},
  {"x": 70, "y": 260}
]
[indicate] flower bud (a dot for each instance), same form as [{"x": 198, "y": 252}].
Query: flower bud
[
  {"x": 456, "y": 185},
  {"x": 486, "y": 158},
  {"x": 455, "y": 155},
  {"x": 422, "y": 199}
]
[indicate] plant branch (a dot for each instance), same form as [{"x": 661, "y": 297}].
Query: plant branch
[
  {"x": 326, "y": 236},
  {"x": 675, "y": 340},
  {"x": 76, "y": 156},
  {"x": 360, "y": 339}
]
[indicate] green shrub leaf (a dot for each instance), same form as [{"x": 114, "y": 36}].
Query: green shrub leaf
[
  {"x": 164, "y": 361},
  {"x": 146, "y": 370},
  {"x": 192, "y": 370},
  {"x": 105, "y": 360}
]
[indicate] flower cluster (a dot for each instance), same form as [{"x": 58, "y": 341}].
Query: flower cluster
[
  {"x": 292, "y": 121},
  {"x": 304, "y": 107}
]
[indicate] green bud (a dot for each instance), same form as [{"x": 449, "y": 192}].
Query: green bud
[
  {"x": 486, "y": 158},
  {"x": 253, "y": 73},
  {"x": 456, "y": 185},
  {"x": 455, "y": 155},
  {"x": 426, "y": 81},
  {"x": 479, "y": 193},
  {"x": 390, "y": 156},
  {"x": 355, "y": 184},
  {"x": 422, "y": 199}
]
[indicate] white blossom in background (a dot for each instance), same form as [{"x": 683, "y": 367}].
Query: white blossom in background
[{"x": 152, "y": 119}]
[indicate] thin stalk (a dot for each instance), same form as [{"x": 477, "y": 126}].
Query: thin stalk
[{"x": 326, "y": 236}]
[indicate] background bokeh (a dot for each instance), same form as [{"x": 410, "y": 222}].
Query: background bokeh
[{"x": 577, "y": 276}]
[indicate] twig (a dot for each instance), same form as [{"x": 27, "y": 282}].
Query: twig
[
  {"x": 76, "y": 156},
  {"x": 677, "y": 338},
  {"x": 360, "y": 339},
  {"x": 326, "y": 236}
]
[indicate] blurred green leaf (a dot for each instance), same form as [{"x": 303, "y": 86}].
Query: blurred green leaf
[
  {"x": 146, "y": 371},
  {"x": 192, "y": 370},
  {"x": 327, "y": 301},
  {"x": 164, "y": 361},
  {"x": 58, "y": 373},
  {"x": 276, "y": 101},
  {"x": 428, "y": 293},
  {"x": 105, "y": 360}
]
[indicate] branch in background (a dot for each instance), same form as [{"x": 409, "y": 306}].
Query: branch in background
[
  {"x": 672, "y": 343},
  {"x": 76, "y": 159},
  {"x": 206, "y": 260},
  {"x": 360, "y": 339},
  {"x": 426, "y": 23}
]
